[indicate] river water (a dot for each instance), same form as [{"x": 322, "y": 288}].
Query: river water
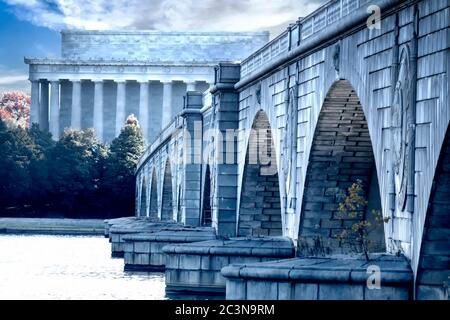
[{"x": 68, "y": 267}]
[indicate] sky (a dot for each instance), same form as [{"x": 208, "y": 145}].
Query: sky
[{"x": 30, "y": 28}]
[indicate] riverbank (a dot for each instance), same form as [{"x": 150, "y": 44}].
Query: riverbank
[{"x": 52, "y": 226}]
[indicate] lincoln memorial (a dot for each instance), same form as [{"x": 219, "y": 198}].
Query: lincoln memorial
[{"x": 104, "y": 76}]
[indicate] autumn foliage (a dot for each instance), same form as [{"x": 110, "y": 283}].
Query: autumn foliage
[{"x": 15, "y": 108}]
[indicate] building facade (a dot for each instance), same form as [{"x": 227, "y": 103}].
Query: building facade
[{"x": 104, "y": 76}]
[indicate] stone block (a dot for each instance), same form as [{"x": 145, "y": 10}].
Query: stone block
[
  {"x": 218, "y": 262},
  {"x": 387, "y": 293},
  {"x": 172, "y": 261},
  {"x": 243, "y": 260},
  {"x": 141, "y": 247},
  {"x": 128, "y": 247},
  {"x": 306, "y": 291},
  {"x": 128, "y": 258},
  {"x": 262, "y": 290},
  {"x": 190, "y": 262},
  {"x": 236, "y": 289},
  {"x": 425, "y": 292},
  {"x": 285, "y": 291},
  {"x": 158, "y": 259},
  {"x": 141, "y": 259},
  {"x": 341, "y": 292},
  {"x": 206, "y": 278}
]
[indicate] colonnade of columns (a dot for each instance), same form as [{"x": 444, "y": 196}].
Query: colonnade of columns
[{"x": 46, "y": 105}]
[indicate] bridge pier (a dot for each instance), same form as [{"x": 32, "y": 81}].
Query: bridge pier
[
  {"x": 321, "y": 279},
  {"x": 144, "y": 251},
  {"x": 122, "y": 228},
  {"x": 332, "y": 103},
  {"x": 196, "y": 268}
]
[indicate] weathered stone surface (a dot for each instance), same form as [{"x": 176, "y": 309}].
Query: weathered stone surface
[
  {"x": 325, "y": 278},
  {"x": 342, "y": 102},
  {"x": 210, "y": 257},
  {"x": 152, "y": 244}
]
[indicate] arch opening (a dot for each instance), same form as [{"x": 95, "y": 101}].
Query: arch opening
[
  {"x": 433, "y": 280},
  {"x": 153, "y": 211},
  {"x": 167, "y": 196},
  {"x": 206, "y": 206},
  {"x": 143, "y": 206},
  {"x": 179, "y": 208},
  {"x": 260, "y": 207},
  {"x": 341, "y": 155}
]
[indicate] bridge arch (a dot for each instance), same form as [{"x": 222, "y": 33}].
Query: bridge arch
[
  {"x": 167, "y": 194},
  {"x": 143, "y": 204},
  {"x": 153, "y": 208},
  {"x": 206, "y": 217},
  {"x": 260, "y": 205},
  {"x": 433, "y": 274},
  {"x": 341, "y": 154}
]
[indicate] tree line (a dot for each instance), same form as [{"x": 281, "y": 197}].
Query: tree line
[{"x": 74, "y": 177}]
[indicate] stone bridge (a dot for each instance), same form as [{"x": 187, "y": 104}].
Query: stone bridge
[{"x": 356, "y": 91}]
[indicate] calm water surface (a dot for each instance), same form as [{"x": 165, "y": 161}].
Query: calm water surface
[{"x": 67, "y": 267}]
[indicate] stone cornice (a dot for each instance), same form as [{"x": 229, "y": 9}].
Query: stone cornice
[
  {"x": 164, "y": 33},
  {"x": 66, "y": 62}
]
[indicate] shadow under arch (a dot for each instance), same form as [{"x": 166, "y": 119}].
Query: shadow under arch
[
  {"x": 167, "y": 194},
  {"x": 341, "y": 154},
  {"x": 153, "y": 211},
  {"x": 143, "y": 204},
  {"x": 260, "y": 205},
  {"x": 206, "y": 217},
  {"x": 433, "y": 275}
]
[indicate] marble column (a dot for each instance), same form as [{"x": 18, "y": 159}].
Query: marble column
[
  {"x": 43, "y": 106},
  {"x": 167, "y": 112},
  {"x": 54, "y": 110},
  {"x": 76, "y": 105},
  {"x": 34, "y": 107},
  {"x": 120, "y": 106},
  {"x": 190, "y": 86},
  {"x": 143, "y": 108},
  {"x": 98, "y": 109}
]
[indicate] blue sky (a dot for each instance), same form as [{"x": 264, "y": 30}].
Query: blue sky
[{"x": 31, "y": 27}]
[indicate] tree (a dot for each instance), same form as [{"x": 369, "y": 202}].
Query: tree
[
  {"x": 17, "y": 150},
  {"x": 358, "y": 234},
  {"x": 15, "y": 108},
  {"x": 39, "y": 167},
  {"x": 73, "y": 170},
  {"x": 120, "y": 180}
]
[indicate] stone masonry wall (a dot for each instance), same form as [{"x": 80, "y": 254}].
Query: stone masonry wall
[
  {"x": 341, "y": 155},
  {"x": 434, "y": 266}
]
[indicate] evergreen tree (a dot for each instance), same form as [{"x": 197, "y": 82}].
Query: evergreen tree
[
  {"x": 17, "y": 150},
  {"x": 120, "y": 180},
  {"x": 39, "y": 167},
  {"x": 73, "y": 170}
]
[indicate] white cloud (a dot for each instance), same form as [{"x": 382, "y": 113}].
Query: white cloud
[
  {"x": 205, "y": 15},
  {"x": 12, "y": 79}
]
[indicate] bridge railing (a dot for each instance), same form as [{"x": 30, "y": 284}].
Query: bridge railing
[
  {"x": 163, "y": 137},
  {"x": 303, "y": 29},
  {"x": 167, "y": 133}
]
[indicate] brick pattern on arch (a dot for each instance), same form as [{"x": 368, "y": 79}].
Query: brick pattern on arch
[
  {"x": 433, "y": 280},
  {"x": 153, "y": 212},
  {"x": 167, "y": 196},
  {"x": 260, "y": 210},
  {"x": 341, "y": 154}
]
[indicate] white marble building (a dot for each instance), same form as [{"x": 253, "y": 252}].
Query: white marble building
[{"x": 103, "y": 76}]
